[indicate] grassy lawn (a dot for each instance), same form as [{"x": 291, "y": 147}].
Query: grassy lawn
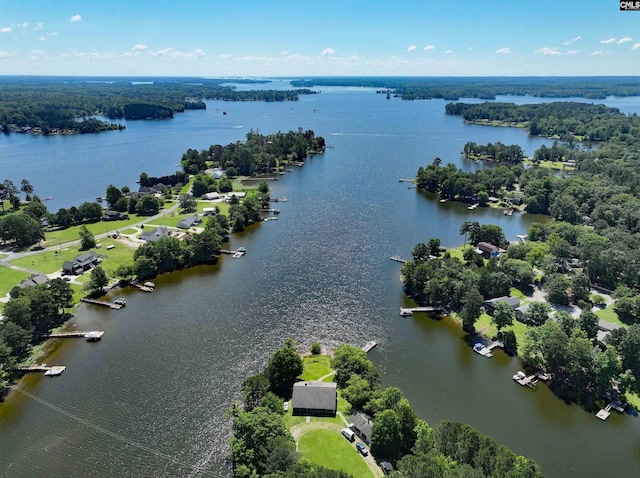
[
  {"x": 329, "y": 448},
  {"x": 9, "y": 278},
  {"x": 609, "y": 315},
  {"x": 633, "y": 400},
  {"x": 518, "y": 328},
  {"x": 73, "y": 233},
  {"x": 316, "y": 366},
  {"x": 48, "y": 262}
]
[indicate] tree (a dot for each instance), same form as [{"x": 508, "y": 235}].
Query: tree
[
  {"x": 503, "y": 315},
  {"x": 556, "y": 287},
  {"x": 148, "y": 205},
  {"x": 537, "y": 313},
  {"x": 471, "y": 310},
  {"x": 386, "y": 439},
  {"x": 253, "y": 391},
  {"x": 113, "y": 194},
  {"x": 16, "y": 338},
  {"x": 284, "y": 367},
  {"x": 99, "y": 279},
  {"x": 508, "y": 338},
  {"x": 316, "y": 348},
  {"x": 188, "y": 203},
  {"x": 580, "y": 287},
  {"x": 90, "y": 211},
  {"x": 434, "y": 246},
  {"x": 588, "y": 322},
  {"x": 87, "y": 240},
  {"x": 349, "y": 360},
  {"x": 357, "y": 392},
  {"x": 26, "y": 188},
  {"x": 420, "y": 253},
  {"x": 465, "y": 228}
]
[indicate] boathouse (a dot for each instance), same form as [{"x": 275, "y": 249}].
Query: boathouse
[
  {"x": 315, "y": 398},
  {"x": 487, "y": 249},
  {"x": 361, "y": 426}
]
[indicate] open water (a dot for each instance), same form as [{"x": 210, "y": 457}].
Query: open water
[{"x": 150, "y": 398}]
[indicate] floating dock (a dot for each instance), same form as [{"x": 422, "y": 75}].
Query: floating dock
[
  {"x": 91, "y": 335},
  {"x": 143, "y": 288},
  {"x": 398, "y": 259},
  {"x": 235, "y": 254},
  {"x": 405, "y": 312},
  {"x": 47, "y": 370},
  {"x": 104, "y": 303},
  {"x": 401, "y": 180},
  {"x": 473, "y": 206},
  {"x": 604, "y": 414},
  {"x": 369, "y": 345},
  {"x": 524, "y": 380}
]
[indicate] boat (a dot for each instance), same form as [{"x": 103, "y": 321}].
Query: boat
[
  {"x": 151, "y": 285},
  {"x": 48, "y": 198},
  {"x": 508, "y": 212},
  {"x": 99, "y": 199},
  {"x": 473, "y": 206},
  {"x": 520, "y": 375},
  {"x": 94, "y": 336},
  {"x": 444, "y": 200},
  {"x": 479, "y": 348},
  {"x": 120, "y": 301},
  {"x": 242, "y": 249},
  {"x": 405, "y": 312}
]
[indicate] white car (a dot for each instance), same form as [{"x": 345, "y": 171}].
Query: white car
[{"x": 286, "y": 406}]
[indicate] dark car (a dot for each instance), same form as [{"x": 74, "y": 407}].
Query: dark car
[{"x": 362, "y": 449}]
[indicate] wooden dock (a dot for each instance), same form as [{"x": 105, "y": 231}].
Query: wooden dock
[
  {"x": 524, "y": 380},
  {"x": 104, "y": 303},
  {"x": 143, "y": 288},
  {"x": 91, "y": 335},
  {"x": 402, "y": 180},
  {"x": 369, "y": 345},
  {"x": 604, "y": 414},
  {"x": 398, "y": 259},
  {"x": 405, "y": 312},
  {"x": 47, "y": 370},
  {"x": 234, "y": 254}
]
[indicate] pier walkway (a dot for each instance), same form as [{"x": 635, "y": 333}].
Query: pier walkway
[
  {"x": 369, "y": 345},
  {"x": 398, "y": 259},
  {"x": 405, "y": 312},
  {"x": 104, "y": 303},
  {"x": 48, "y": 370},
  {"x": 90, "y": 335}
]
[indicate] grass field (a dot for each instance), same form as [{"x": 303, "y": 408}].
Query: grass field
[
  {"x": 609, "y": 315},
  {"x": 328, "y": 448},
  {"x": 315, "y": 366},
  {"x": 9, "y": 278}
]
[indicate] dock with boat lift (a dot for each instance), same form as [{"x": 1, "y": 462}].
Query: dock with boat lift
[
  {"x": 143, "y": 288},
  {"x": 104, "y": 303},
  {"x": 398, "y": 259},
  {"x": 405, "y": 312},
  {"x": 91, "y": 336},
  {"x": 50, "y": 371},
  {"x": 235, "y": 254}
]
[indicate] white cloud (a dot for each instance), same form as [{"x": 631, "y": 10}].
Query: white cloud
[
  {"x": 503, "y": 51},
  {"x": 43, "y": 38},
  {"x": 140, "y": 47},
  {"x": 23, "y": 25},
  {"x": 412, "y": 47},
  {"x": 7, "y": 54},
  {"x": 624, "y": 40},
  {"x": 225, "y": 55},
  {"x": 636, "y": 46},
  {"x": 5, "y": 30},
  {"x": 175, "y": 54},
  {"x": 572, "y": 52},
  {"x": 284, "y": 52},
  {"x": 572, "y": 41},
  {"x": 610, "y": 40},
  {"x": 53, "y": 34},
  {"x": 76, "y": 18},
  {"x": 39, "y": 26},
  {"x": 596, "y": 53},
  {"x": 548, "y": 50},
  {"x": 328, "y": 52},
  {"x": 448, "y": 52},
  {"x": 429, "y": 47}
]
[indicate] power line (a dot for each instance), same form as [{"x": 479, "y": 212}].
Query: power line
[{"x": 116, "y": 435}]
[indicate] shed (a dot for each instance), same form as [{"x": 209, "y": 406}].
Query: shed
[
  {"x": 315, "y": 398},
  {"x": 361, "y": 426}
]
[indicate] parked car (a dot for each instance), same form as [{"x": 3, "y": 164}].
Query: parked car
[
  {"x": 362, "y": 449},
  {"x": 286, "y": 406},
  {"x": 348, "y": 434}
]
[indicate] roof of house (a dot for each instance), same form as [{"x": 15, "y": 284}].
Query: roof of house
[
  {"x": 34, "y": 280},
  {"x": 187, "y": 222},
  {"x": 314, "y": 395},
  {"x": 155, "y": 234},
  {"x": 487, "y": 247},
  {"x": 88, "y": 256},
  {"x": 607, "y": 326},
  {"x": 362, "y": 422},
  {"x": 514, "y": 302}
]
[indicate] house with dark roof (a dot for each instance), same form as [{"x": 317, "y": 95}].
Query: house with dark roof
[
  {"x": 315, "y": 399},
  {"x": 604, "y": 329},
  {"x": 361, "y": 426},
  {"x": 34, "y": 280},
  {"x": 81, "y": 263},
  {"x": 188, "y": 222},
  {"x": 490, "y": 305},
  {"x": 487, "y": 249},
  {"x": 153, "y": 235},
  {"x": 113, "y": 216}
]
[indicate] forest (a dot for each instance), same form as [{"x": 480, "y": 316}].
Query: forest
[
  {"x": 449, "y": 88},
  {"x": 50, "y": 104}
]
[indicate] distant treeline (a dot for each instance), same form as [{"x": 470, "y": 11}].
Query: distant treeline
[
  {"x": 496, "y": 151},
  {"x": 564, "y": 120},
  {"x": 421, "y": 88},
  {"x": 57, "y": 103}
]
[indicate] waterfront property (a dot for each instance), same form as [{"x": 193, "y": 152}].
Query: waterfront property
[
  {"x": 490, "y": 305},
  {"x": 487, "y": 249},
  {"x": 315, "y": 399},
  {"x": 361, "y": 425},
  {"x": 155, "y": 234},
  {"x": 189, "y": 222},
  {"x": 34, "y": 280},
  {"x": 81, "y": 263},
  {"x": 114, "y": 216}
]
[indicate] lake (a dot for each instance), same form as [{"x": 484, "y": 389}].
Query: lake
[{"x": 149, "y": 399}]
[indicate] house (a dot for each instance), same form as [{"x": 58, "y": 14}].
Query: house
[
  {"x": 114, "y": 216},
  {"x": 487, "y": 249},
  {"x": 217, "y": 173},
  {"x": 188, "y": 222},
  {"x": 490, "y": 305},
  {"x": 81, "y": 263},
  {"x": 211, "y": 196},
  {"x": 34, "y": 280},
  {"x": 361, "y": 426},
  {"x": 315, "y": 399},
  {"x": 521, "y": 311},
  {"x": 155, "y": 234}
]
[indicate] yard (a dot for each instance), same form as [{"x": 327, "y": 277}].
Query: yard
[{"x": 9, "y": 278}]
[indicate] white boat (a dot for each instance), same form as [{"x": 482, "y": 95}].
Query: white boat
[
  {"x": 120, "y": 301},
  {"x": 520, "y": 375},
  {"x": 151, "y": 285},
  {"x": 482, "y": 350}
]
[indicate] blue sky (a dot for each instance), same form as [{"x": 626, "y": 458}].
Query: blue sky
[{"x": 314, "y": 38}]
